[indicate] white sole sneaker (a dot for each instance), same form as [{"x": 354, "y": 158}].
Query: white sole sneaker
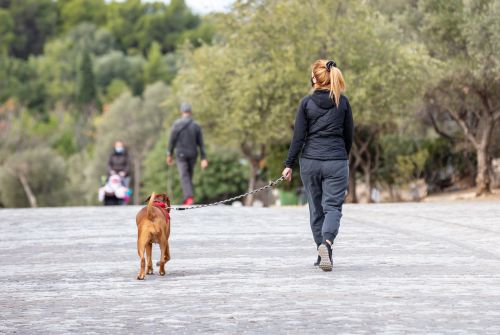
[{"x": 325, "y": 263}]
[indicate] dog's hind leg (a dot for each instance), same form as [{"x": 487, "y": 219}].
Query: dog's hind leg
[
  {"x": 167, "y": 253},
  {"x": 162, "y": 258},
  {"x": 149, "y": 254},
  {"x": 140, "y": 249}
]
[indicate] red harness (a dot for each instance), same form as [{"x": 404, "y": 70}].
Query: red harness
[{"x": 162, "y": 206}]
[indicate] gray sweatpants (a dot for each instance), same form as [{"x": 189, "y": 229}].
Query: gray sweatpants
[
  {"x": 186, "y": 167},
  {"x": 326, "y": 184}
]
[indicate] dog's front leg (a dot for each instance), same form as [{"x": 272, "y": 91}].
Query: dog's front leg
[{"x": 149, "y": 254}]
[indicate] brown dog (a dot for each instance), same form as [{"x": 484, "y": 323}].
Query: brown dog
[{"x": 153, "y": 226}]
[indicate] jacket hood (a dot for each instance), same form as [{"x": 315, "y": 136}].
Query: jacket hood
[{"x": 322, "y": 99}]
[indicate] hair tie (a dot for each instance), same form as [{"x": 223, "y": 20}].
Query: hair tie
[{"x": 329, "y": 65}]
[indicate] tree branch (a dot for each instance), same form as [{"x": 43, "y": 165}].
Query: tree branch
[
  {"x": 496, "y": 116},
  {"x": 463, "y": 125},
  {"x": 439, "y": 130}
]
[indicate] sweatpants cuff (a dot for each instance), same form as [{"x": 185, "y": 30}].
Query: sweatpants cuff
[{"x": 328, "y": 236}]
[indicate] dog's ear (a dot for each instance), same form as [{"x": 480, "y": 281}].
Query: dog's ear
[{"x": 147, "y": 200}]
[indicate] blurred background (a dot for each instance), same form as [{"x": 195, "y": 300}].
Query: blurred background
[{"x": 423, "y": 80}]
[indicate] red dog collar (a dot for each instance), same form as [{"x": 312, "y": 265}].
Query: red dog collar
[{"x": 163, "y": 208}]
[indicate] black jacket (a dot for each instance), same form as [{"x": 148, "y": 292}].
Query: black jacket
[
  {"x": 321, "y": 131},
  {"x": 186, "y": 137},
  {"x": 119, "y": 162}
]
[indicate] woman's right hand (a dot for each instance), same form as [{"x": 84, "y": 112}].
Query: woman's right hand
[
  {"x": 170, "y": 160},
  {"x": 287, "y": 173}
]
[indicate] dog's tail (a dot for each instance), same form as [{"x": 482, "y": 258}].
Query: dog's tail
[{"x": 150, "y": 206}]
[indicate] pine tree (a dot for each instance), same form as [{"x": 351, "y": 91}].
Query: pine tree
[
  {"x": 155, "y": 69},
  {"x": 86, "y": 90}
]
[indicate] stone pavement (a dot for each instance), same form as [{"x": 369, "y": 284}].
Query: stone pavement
[{"x": 399, "y": 268}]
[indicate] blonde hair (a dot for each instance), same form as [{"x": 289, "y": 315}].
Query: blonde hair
[{"x": 328, "y": 78}]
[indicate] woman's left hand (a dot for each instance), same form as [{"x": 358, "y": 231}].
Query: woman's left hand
[{"x": 287, "y": 173}]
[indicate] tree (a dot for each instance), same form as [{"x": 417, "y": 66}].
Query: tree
[
  {"x": 20, "y": 81},
  {"x": 6, "y": 31},
  {"x": 86, "y": 90},
  {"x": 35, "y": 22},
  {"x": 135, "y": 120},
  {"x": 38, "y": 173},
  {"x": 137, "y": 25},
  {"x": 78, "y": 11},
  {"x": 465, "y": 38},
  {"x": 247, "y": 85},
  {"x": 116, "y": 65},
  {"x": 155, "y": 68}
]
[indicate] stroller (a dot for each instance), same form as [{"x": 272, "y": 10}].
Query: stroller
[{"x": 114, "y": 192}]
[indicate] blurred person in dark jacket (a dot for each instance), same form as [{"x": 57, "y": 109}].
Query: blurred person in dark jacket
[
  {"x": 186, "y": 138},
  {"x": 119, "y": 163}
]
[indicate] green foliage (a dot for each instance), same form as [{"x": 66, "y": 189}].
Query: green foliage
[
  {"x": 78, "y": 11},
  {"x": 137, "y": 25},
  {"x": 116, "y": 88},
  {"x": 35, "y": 22},
  {"x": 87, "y": 37},
  {"x": 116, "y": 65},
  {"x": 203, "y": 34},
  {"x": 155, "y": 68},
  {"x": 225, "y": 177},
  {"x": 20, "y": 82},
  {"x": 6, "y": 31},
  {"x": 86, "y": 90}
]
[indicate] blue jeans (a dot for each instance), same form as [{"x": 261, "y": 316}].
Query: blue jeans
[{"x": 326, "y": 184}]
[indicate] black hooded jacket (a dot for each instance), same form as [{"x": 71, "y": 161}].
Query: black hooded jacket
[
  {"x": 119, "y": 162},
  {"x": 321, "y": 131}
]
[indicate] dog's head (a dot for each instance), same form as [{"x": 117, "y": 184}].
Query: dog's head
[{"x": 161, "y": 197}]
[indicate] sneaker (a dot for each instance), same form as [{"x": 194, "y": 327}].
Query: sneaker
[
  {"x": 325, "y": 253},
  {"x": 189, "y": 201},
  {"x": 317, "y": 261}
]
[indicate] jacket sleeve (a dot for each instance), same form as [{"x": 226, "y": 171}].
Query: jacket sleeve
[
  {"x": 299, "y": 135},
  {"x": 199, "y": 142},
  {"x": 173, "y": 135},
  {"x": 348, "y": 129}
]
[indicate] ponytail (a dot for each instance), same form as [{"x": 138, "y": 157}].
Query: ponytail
[
  {"x": 329, "y": 77},
  {"x": 337, "y": 84}
]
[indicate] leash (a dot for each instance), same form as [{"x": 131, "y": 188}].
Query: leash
[{"x": 270, "y": 185}]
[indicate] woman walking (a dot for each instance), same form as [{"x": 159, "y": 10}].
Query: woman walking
[{"x": 323, "y": 132}]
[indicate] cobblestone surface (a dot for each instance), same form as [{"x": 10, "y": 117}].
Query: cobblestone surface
[{"x": 398, "y": 268}]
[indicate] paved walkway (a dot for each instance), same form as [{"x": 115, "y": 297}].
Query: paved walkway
[{"x": 399, "y": 268}]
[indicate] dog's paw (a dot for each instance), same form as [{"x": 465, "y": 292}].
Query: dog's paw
[
  {"x": 150, "y": 272},
  {"x": 140, "y": 277},
  {"x": 162, "y": 273}
]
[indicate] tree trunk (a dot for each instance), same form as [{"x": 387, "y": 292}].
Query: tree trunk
[
  {"x": 368, "y": 181},
  {"x": 252, "y": 180},
  {"x": 137, "y": 180},
  {"x": 27, "y": 189},
  {"x": 483, "y": 182}
]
